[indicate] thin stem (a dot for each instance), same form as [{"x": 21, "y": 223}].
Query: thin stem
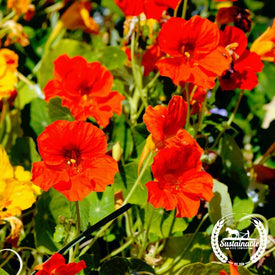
[
  {"x": 184, "y": 9},
  {"x": 118, "y": 250},
  {"x": 229, "y": 121},
  {"x": 146, "y": 233},
  {"x": 266, "y": 253},
  {"x": 164, "y": 269},
  {"x": 138, "y": 179},
  {"x": 152, "y": 81},
  {"x": 98, "y": 234},
  {"x": 76, "y": 249}
]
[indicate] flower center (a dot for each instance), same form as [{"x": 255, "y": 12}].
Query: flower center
[
  {"x": 186, "y": 49},
  {"x": 231, "y": 48},
  {"x": 72, "y": 157}
]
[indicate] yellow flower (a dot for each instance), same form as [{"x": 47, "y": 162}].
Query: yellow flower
[
  {"x": 264, "y": 45},
  {"x": 8, "y": 68},
  {"x": 17, "y": 192}
]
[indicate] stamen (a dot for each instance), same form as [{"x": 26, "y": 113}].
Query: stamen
[
  {"x": 187, "y": 54},
  {"x": 73, "y": 161}
]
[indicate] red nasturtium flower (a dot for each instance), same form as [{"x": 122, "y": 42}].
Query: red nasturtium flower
[
  {"x": 150, "y": 57},
  {"x": 155, "y": 8},
  {"x": 151, "y": 8},
  {"x": 85, "y": 88},
  {"x": 195, "y": 54},
  {"x": 245, "y": 64},
  {"x": 179, "y": 181},
  {"x": 74, "y": 161},
  {"x": 130, "y": 8},
  {"x": 239, "y": 16},
  {"x": 56, "y": 265}
]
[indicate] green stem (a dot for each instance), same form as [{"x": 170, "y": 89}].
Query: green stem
[
  {"x": 118, "y": 250},
  {"x": 228, "y": 124},
  {"x": 266, "y": 253},
  {"x": 184, "y": 9},
  {"x": 76, "y": 249},
  {"x": 92, "y": 241},
  {"x": 138, "y": 179},
  {"x": 164, "y": 269},
  {"x": 161, "y": 247},
  {"x": 146, "y": 233}
]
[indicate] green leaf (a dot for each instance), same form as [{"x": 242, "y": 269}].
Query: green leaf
[
  {"x": 3, "y": 272},
  {"x": 113, "y": 57},
  {"x": 25, "y": 94},
  {"x": 241, "y": 207},
  {"x": 209, "y": 269},
  {"x": 39, "y": 115},
  {"x": 198, "y": 251},
  {"x": 59, "y": 233},
  {"x": 101, "y": 204},
  {"x": 44, "y": 220},
  {"x": 71, "y": 48},
  {"x": 57, "y": 111},
  {"x": 118, "y": 265},
  {"x": 163, "y": 220},
  {"x": 110, "y": 4},
  {"x": 220, "y": 205},
  {"x": 125, "y": 180},
  {"x": 233, "y": 162}
]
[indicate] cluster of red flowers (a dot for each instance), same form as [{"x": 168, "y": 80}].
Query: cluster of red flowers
[
  {"x": 85, "y": 88},
  {"x": 196, "y": 51},
  {"x": 179, "y": 180}
]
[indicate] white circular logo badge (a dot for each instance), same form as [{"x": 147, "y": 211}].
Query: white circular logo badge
[{"x": 240, "y": 241}]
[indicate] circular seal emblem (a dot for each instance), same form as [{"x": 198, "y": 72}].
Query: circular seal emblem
[{"x": 241, "y": 241}]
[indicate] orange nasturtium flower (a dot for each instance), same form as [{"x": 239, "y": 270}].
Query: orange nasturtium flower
[
  {"x": 84, "y": 88},
  {"x": 77, "y": 16},
  {"x": 74, "y": 161},
  {"x": 264, "y": 45},
  {"x": 56, "y": 265},
  {"x": 194, "y": 52},
  {"x": 179, "y": 181},
  {"x": 8, "y": 69}
]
